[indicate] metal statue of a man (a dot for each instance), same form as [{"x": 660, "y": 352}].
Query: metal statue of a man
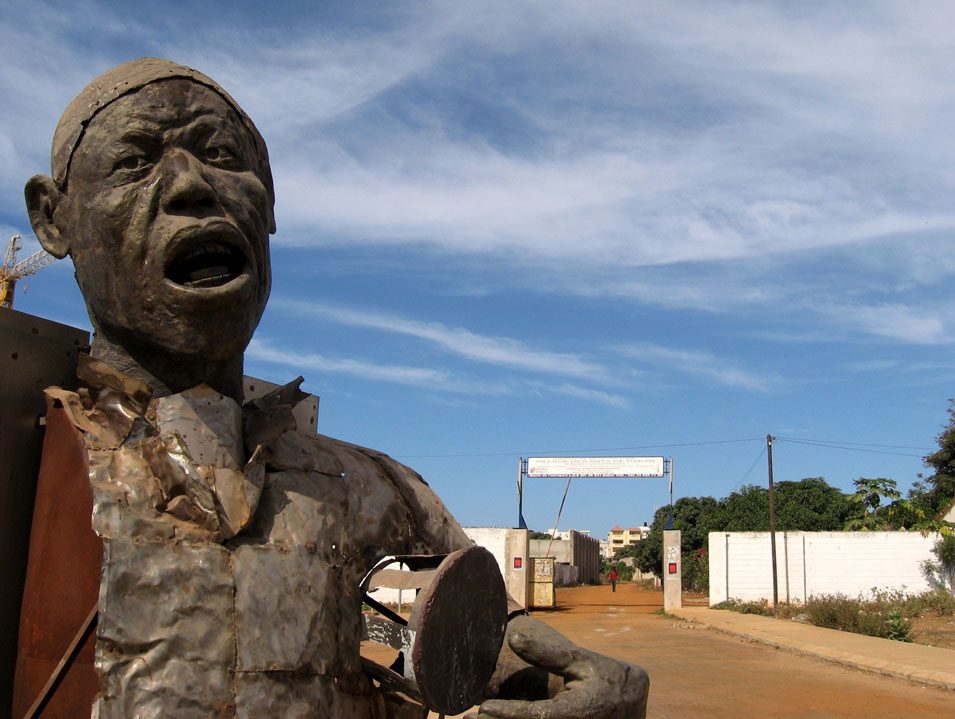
[{"x": 233, "y": 544}]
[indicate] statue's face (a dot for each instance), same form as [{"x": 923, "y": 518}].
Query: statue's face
[{"x": 169, "y": 222}]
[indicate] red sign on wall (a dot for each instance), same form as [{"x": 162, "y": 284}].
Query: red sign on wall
[
  {"x": 518, "y": 562},
  {"x": 671, "y": 568}
]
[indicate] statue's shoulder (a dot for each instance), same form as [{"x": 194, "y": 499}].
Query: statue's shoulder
[
  {"x": 328, "y": 455},
  {"x": 369, "y": 472},
  {"x": 387, "y": 463}
]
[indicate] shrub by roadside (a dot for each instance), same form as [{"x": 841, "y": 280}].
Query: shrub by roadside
[{"x": 885, "y": 614}]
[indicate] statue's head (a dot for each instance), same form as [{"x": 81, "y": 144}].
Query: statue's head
[{"x": 161, "y": 193}]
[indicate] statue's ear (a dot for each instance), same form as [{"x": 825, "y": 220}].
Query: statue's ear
[{"x": 43, "y": 198}]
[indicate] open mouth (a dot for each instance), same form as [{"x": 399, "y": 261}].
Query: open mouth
[{"x": 210, "y": 264}]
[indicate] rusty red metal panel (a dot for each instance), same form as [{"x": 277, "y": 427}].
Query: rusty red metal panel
[
  {"x": 36, "y": 353},
  {"x": 63, "y": 574}
]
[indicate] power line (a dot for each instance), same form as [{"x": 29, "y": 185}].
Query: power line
[
  {"x": 750, "y": 470},
  {"x": 834, "y": 445},
  {"x": 854, "y": 444},
  {"x": 828, "y": 444},
  {"x": 577, "y": 451}
]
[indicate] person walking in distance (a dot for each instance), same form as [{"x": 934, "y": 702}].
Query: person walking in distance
[{"x": 613, "y": 576}]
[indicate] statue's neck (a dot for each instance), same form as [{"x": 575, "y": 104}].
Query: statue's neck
[{"x": 170, "y": 375}]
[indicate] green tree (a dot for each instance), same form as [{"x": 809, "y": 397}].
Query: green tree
[
  {"x": 868, "y": 512},
  {"x": 648, "y": 552},
  {"x": 810, "y": 505},
  {"x": 935, "y": 492},
  {"x": 746, "y": 510},
  {"x": 695, "y": 517}
]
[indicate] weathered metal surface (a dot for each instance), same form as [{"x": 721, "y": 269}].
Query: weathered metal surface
[
  {"x": 193, "y": 623},
  {"x": 451, "y": 643},
  {"x": 166, "y": 639},
  {"x": 82, "y": 634},
  {"x": 99, "y": 375},
  {"x": 391, "y": 681},
  {"x": 275, "y": 587},
  {"x": 458, "y": 623},
  {"x": 210, "y": 428},
  {"x": 35, "y": 353},
  {"x": 63, "y": 576},
  {"x": 305, "y": 412}
]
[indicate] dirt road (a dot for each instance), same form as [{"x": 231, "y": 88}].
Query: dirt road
[{"x": 696, "y": 672}]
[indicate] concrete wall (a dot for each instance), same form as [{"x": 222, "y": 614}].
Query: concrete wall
[
  {"x": 639, "y": 576},
  {"x": 560, "y": 549},
  {"x": 507, "y": 545},
  {"x": 581, "y": 551},
  {"x": 815, "y": 563},
  {"x": 566, "y": 575},
  {"x": 586, "y": 557}
]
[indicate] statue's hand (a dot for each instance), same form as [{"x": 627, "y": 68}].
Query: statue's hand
[{"x": 594, "y": 686}]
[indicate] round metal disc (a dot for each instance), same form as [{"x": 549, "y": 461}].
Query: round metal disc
[{"x": 459, "y": 622}]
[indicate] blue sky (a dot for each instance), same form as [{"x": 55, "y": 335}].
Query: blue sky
[{"x": 510, "y": 229}]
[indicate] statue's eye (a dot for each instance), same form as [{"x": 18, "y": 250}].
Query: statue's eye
[
  {"x": 220, "y": 154},
  {"x": 132, "y": 162}
]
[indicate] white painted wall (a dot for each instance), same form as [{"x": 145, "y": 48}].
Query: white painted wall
[
  {"x": 507, "y": 545},
  {"x": 494, "y": 540},
  {"x": 814, "y": 563},
  {"x": 949, "y": 515}
]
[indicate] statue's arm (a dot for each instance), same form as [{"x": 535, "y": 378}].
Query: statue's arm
[{"x": 542, "y": 675}]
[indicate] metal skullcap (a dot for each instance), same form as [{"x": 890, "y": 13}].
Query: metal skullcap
[{"x": 123, "y": 80}]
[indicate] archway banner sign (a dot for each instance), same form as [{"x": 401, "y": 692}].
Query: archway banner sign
[{"x": 572, "y": 467}]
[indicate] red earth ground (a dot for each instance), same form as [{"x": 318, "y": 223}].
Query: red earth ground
[{"x": 698, "y": 672}]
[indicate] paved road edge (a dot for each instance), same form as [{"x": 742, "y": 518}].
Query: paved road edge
[{"x": 920, "y": 675}]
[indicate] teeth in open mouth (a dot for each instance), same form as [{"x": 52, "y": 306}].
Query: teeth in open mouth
[{"x": 210, "y": 264}]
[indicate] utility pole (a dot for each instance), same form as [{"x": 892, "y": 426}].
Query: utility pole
[
  {"x": 772, "y": 516},
  {"x": 521, "y": 468},
  {"x": 668, "y": 470}
]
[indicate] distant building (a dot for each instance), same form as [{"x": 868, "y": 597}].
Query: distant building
[
  {"x": 618, "y": 537},
  {"x": 566, "y": 534}
]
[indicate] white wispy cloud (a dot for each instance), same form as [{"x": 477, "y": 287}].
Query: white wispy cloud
[
  {"x": 502, "y": 351},
  {"x": 603, "y": 190},
  {"x": 264, "y": 351},
  {"x": 907, "y": 366},
  {"x": 699, "y": 363},
  {"x": 578, "y": 392},
  {"x": 897, "y": 321},
  {"x": 702, "y": 145},
  {"x": 433, "y": 380}
]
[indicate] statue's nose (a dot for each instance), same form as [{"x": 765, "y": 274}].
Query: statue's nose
[{"x": 185, "y": 188}]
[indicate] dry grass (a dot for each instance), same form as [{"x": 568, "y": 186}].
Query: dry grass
[{"x": 886, "y": 614}]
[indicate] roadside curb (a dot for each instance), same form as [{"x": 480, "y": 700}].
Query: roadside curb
[{"x": 826, "y": 650}]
